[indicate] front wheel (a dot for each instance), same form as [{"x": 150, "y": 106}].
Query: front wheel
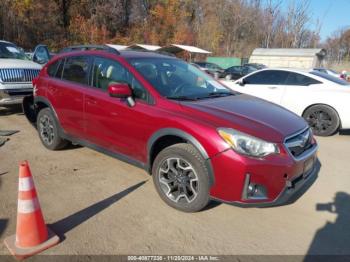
[
  {"x": 181, "y": 178},
  {"x": 323, "y": 120}
]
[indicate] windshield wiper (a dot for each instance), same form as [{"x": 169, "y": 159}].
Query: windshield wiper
[
  {"x": 216, "y": 94},
  {"x": 183, "y": 98}
]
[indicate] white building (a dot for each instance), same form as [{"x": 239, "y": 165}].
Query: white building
[{"x": 289, "y": 57}]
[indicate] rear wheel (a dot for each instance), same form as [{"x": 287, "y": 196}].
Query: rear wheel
[
  {"x": 48, "y": 130},
  {"x": 181, "y": 178},
  {"x": 323, "y": 120}
]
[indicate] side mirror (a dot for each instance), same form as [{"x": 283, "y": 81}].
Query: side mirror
[
  {"x": 119, "y": 90},
  {"x": 41, "y": 54},
  {"x": 241, "y": 82}
]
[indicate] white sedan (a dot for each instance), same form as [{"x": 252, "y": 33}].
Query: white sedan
[{"x": 323, "y": 100}]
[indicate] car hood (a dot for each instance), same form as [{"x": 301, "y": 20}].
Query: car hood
[
  {"x": 251, "y": 115},
  {"x": 18, "y": 63}
]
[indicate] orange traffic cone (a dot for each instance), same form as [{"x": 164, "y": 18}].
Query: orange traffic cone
[{"x": 32, "y": 235}]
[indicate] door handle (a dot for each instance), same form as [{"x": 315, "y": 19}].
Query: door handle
[
  {"x": 272, "y": 87},
  {"x": 52, "y": 88},
  {"x": 91, "y": 101}
]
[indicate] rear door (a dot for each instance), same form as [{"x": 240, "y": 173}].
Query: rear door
[
  {"x": 66, "y": 93},
  {"x": 299, "y": 88},
  {"x": 267, "y": 84}
]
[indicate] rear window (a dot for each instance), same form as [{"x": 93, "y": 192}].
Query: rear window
[
  {"x": 331, "y": 78},
  {"x": 52, "y": 69},
  {"x": 76, "y": 69},
  {"x": 300, "y": 80}
]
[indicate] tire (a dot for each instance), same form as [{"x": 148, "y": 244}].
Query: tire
[
  {"x": 48, "y": 130},
  {"x": 185, "y": 167},
  {"x": 323, "y": 120}
]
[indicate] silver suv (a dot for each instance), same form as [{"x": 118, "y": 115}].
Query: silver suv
[{"x": 16, "y": 73}]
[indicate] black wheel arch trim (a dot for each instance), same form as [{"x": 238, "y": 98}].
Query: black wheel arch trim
[
  {"x": 182, "y": 134},
  {"x": 48, "y": 103}
]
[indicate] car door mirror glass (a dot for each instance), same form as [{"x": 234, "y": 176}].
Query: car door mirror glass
[{"x": 41, "y": 54}]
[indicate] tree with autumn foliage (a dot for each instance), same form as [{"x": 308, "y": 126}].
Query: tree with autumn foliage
[{"x": 225, "y": 27}]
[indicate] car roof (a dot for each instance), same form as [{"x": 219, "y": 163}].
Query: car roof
[
  {"x": 124, "y": 53},
  {"x": 143, "y": 54},
  {"x": 295, "y": 70},
  {"x": 7, "y": 42}
]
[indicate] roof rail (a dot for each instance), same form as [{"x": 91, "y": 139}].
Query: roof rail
[{"x": 89, "y": 47}]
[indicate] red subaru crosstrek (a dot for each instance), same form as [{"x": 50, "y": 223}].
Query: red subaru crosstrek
[{"x": 197, "y": 138}]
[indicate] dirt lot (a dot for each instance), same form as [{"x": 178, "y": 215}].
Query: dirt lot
[{"x": 99, "y": 205}]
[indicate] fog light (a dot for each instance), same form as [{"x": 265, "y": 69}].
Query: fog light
[{"x": 253, "y": 191}]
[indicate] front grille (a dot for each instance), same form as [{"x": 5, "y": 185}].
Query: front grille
[
  {"x": 299, "y": 143},
  {"x": 18, "y": 75}
]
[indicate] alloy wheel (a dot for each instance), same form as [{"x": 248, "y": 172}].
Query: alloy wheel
[
  {"x": 46, "y": 129},
  {"x": 178, "y": 180},
  {"x": 319, "y": 121}
]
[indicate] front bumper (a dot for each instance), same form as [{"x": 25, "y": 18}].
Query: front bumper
[
  {"x": 288, "y": 195},
  {"x": 14, "y": 96},
  {"x": 282, "y": 178}
]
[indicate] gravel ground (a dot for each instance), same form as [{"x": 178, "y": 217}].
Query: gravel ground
[{"x": 99, "y": 205}]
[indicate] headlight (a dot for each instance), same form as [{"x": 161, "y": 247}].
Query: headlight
[{"x": 246, "y": 144}]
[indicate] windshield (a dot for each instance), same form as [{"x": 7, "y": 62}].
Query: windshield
[
  {"x": 8, "y": 50},
  {"x": 175, "y": 79},
  {"x": 331, "y": 78}
]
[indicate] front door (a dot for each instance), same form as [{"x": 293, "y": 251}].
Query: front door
[
  {"x": 111, "y": 122},
  {"x": 267, "y": 84}
]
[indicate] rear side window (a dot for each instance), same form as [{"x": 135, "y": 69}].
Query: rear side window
[
  {"x": 76, "y": 69},
  {"x": 52, "y": 69},
  {"x": 268, "y": 77},
  {"x": 300, "y": 80}
]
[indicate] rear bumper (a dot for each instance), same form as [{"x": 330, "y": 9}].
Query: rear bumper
[{"x": 14, "y": 96}]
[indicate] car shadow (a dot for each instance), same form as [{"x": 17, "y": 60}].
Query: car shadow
[
  {"x": 11, "y": 110},
  {"x": 345, "y": 132},
  {"x": 66, "y": 224},
  {"x": 334, "y": 238},
  {"x": 3, "y": 225},
  {"x": 212, "y": 204}
]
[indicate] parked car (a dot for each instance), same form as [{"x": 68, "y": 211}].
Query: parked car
[
  {"x": 16, "y": 74},
  {"x": 327, "y": 71},
  {"x": 257, "y": 66},
  {"x": 236, "y": 72},
  {"x": 197, "y": 138},
  {"x": 323, "y": 100},
  {"x": 211, "y": 68}
]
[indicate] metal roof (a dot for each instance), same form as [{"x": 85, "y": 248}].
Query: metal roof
[
  {"x": 303, "y": 52},
  {"x": 118, "y": 47},
  {"x": 142, "y": 46},
  {"x": 178, "y": 48}
]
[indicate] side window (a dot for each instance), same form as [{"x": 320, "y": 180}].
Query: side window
[
  {"x": 52, "y": 69},
  {"x": 76, "y": 69},
  {"x": 106, "y": 71},
  {"x": 60, "y": 69},
  {"x": 300, "y": 80},
  {"x": 269, "y": 77}
]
